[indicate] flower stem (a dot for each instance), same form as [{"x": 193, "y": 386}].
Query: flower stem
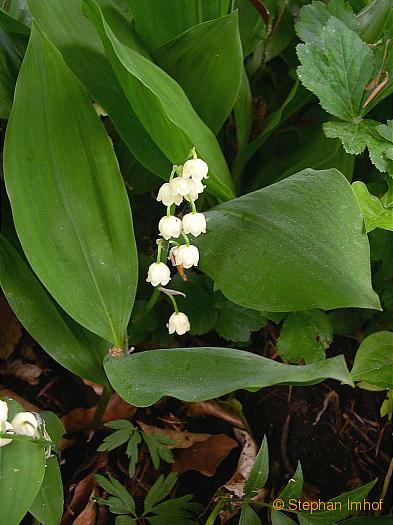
[
  {"x": 101, "y": 407},
  {"x": 186, "y": 239},
  {"x": 174, "y": 303}
]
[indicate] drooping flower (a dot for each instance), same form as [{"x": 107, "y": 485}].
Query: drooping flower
[
  {"x": 25, "y": 423},
  {"x": 181, "y": 186},
  {"x": 158, "y": 273},
  {"x": 3, "y": 411},
  {"x": 179, "y": 323},
  {"x": 187, "y": 255},
  {"x": 5, "y": 427},
  {"x": 196, "y": 189},
  {"x": 194, "y": 223},
  {"x": 197, "y": 169},
  {"x": 170, "y": 227},
  {"x": 167, "y": 196}
]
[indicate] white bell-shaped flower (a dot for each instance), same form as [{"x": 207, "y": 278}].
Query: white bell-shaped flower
[
  {"x": 196, "y": 189},
  {"x": 187, "y": 255},
  {"x": 194, "y": 223},
  {"x": 5, "y": 426},
  {"x": 158, "y": 273},
  {"x": 3, "y": 411},
  {"x": 170, "y": 227},
  {"x": 167, "y": 196},
  {"x": 179, "y": 323},
  {"x": 181, "y": 186},
  {"x": 197, "y": 169},
  {"x": 25, "y": 423}
]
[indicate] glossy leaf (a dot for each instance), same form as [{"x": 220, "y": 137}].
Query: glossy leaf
[
  {"x": 243, "y": 112},
  {"x": 77, "y": 231},
  {"x": 374, "y": 19},
  {"x": 259, "y": 472},
  {"x": 159, "y": 22},
  {"x": 207, "y": 62},
  {"x": 82, "y": 50},
  {"x": 278, "y": 518},
  {"x": 68, "y": 343},
  {"x": 11, "y": 25},
  {"x": 162, "y": 107},
  {"x": 374, "y": 212},
  {"x": 197, "y": 374},
  {"x": 11, "y": 53},
  {"x": 374, "y": 360},
  {"x": 291, "y": 246},
  {"x": 251, "y": 26},
  {"x": 47, "y": 507},
  {"x": 248, "y": 516}
]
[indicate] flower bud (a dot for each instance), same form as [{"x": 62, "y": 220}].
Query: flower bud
[
  {"x": 170, "y": 227},
  {"x": 181, "y": 186},
  {"x": 197, "y": 169},
  {"x": 3, "y": 411},
  {"x": 167, "y": 196},
  {"x": 158, "y": 273},
  {"x": 5, "y": 426},
  {"x": 179, "y": 323},
  {"x": 194, "y": 223},
  {"x": 25, "y": 423},
  {"x": 187, "y": 255}
]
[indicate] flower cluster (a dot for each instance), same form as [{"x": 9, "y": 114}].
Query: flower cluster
[
  {"x": 185, "y": 184},
  {"x": 23, "y": 423}
]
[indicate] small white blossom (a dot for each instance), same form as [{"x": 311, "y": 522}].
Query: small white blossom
[
  {"x": 196, "y": 189},
  {"x": 194, "y": 223},
  {"x": 158, "y": 273},
  {"x": 182, "y": 187},
  {"x": 179, "y": 323},
  {"x": 170, "y": 227},
  {"x": 167, "y": 196},
  {"x": 5, "y": 426},
  {"x": 187, "y": 255},
  {"x": 197, "y": 169},
  {"x": 3, "y": 411},
  {"x": 25, "y": 423}
]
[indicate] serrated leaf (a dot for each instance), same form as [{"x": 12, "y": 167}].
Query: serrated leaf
[
  {"x": 354, "y": 137},
  {"x": 259, "y": 472},
  {"x": 114, "y": 440},
  {"x": 120, "y": 424},
  {"x": 305, "y": 336},
  {"x": 337, "y": 68},
  {"x": 132, "y": 452},
  {"x": 158, "y": 448},
  {"x": 160, "y": 490},
  {"x": 113, "y": 486},
  {"x": 374, "y": 360},
  {"x": 374, "y": 212}
]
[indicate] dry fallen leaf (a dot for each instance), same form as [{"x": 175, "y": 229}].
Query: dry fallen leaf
[
  {"x": 181, "y": 439},
  {"x": 10, "y": 330},
  {"x": 214, "y": 409},
  {"x": 204, "y": 456},
  {"x": 246, "y": 461},
  {"x": 26, "y": 372},
  {"x": 80, "y": 499},
  {"x": 88, "y": 516}
]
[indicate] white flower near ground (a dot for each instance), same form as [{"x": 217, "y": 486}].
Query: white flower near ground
[
  {"x": 5, "y": 426},
  {"x": 158, "y": 273},
  {"x": 170, "y": 227},
  {"x": 197, "y": 169},
  {"x": 25, "y": 423},
  {"x": 187, "y": 255},
  {"x": 167, "y": 196},
  {"x": 194, "y": 223},
  {"x": 179, "y": 323},
  {"x": 3, "y": 411}
]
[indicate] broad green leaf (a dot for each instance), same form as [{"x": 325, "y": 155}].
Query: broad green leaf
[
  {"x": 248, "y": 516},
  {"x": 337, "y": 68},
  {"x": 374, "y": 19},
  {"x": 70, "y": 344},
  {"x": 251, "y": 26},
  {"x": 47, "y": 507},
  {"x": 354, "y": 137},
  {"x": 374, "y": 212},
  {"x": 278, "y": 518},
  {"x": 207, "y": 62},
  {"x": 22, "y": 467},
  {"x": 12, "y": 25},
  {"x": 291, "y": 246},
  {"x": 305, "y": 336},
  {"x": 159, "y": 22},
  {"x": 259, "y": 472},
  {"x": 243, "y": 111},
  {"x": 162, "y": 107},
  {"x": 374, "y": 360},
  {"x": 11, "y": 54},
  {"x": 77, "y": 231},
  {"x": 82, "y": 50},
  {"x": 294, "y": 487},
  {"x": 197, "y": 374},
  {"x": 369, "y": 520}
]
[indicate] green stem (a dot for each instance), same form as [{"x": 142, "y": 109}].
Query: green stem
[
  {"x": 152, "y": 301},
  {"x": 193, "y": 207},
  {"x": 216, "y": 511},
  {"x": 101, "y": 407},
  {"x": 186, "y": 239},
  {"x": 174, "y": 303}
]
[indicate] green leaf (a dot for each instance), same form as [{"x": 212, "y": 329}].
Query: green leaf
[
  {"x": 374, "y": 360},
  {"x": 67, "y": 342},
  {"x": 159, "y": 22},
  {"x": 162, "y": 107},
  {"x": 259, "y": 472},
  {"x": 158, "y": 448},
  {"x": 305, "y": 336},
  {"x": 354, "y": 137},
  {"x": 53, "y": 425},
  {"x": 22, "y": 467},
  {"x": 294, "y": 487},
  {"x": 373, "y": 19},
  {"x": 132, "y": 452},
  {"x": 160, "y": 490},
  {"x": 374, "y": 212},
  {"x": 291, "y": 246},
  {"x": 82, "y": 50},
  {"x": 278, "y": 518},
  {"x": 248, "y": 516},
  {"x": 11, "y": 54},
  {"x": 77, "y": 232},
  {"x": 112, "y": 486},
  {"x": 178, "y": 511},
  {"x": 114, "y": 440},
  {"x": 197, "y": 374},
  {"x": 369, "y": 520},
  {"x": 12, "y": 25},
  {"x": 236, "y": 323},
  {"x": 207, "y": 62},
  {"x": 337, "y": 68},
  {"x": 47, "y": 508},
  {"x": 243, "y": 111},
  {"x": 251, "y": 26},
  {"x": 125, "y": 520}
]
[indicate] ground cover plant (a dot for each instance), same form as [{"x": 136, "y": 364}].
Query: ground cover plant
[{"x": 196, "y": 262}]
